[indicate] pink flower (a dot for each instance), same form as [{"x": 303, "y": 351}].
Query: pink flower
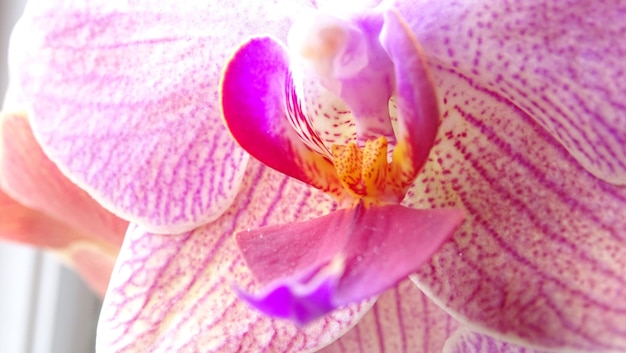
[{"x": 123, "y": 98}]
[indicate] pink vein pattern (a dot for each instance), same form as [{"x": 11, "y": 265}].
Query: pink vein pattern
[
  {"x": 542, "y": 253},
  {"x": 172, "y": 293},
  {"x": 126, "y": 101},
  {"x": 559, "y": 62},
  {"x": 465, "y": 341},
  {"x": 403, "y": 320}
]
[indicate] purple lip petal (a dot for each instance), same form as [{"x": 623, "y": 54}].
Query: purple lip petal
[
  {"x": 562, "y": 63},
  {"x": 124, "y": 100},
  {"x": 300, "y": 300},
  {"x": 380, "y": 245},
  {"x": 402, "y": 320},
  {"x": 253, "y": 95},
  {"x": 172, "y": 293},
  {"x": 541, "y": 257}
]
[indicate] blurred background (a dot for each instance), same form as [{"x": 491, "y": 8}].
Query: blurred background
[{"x": 44, "y": 307}]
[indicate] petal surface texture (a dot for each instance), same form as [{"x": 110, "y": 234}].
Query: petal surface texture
[
  {"x": 541, "y": 255},
  {"x": 123, "y": 97},
  {"x": 562, "y": 64},
  {"x": 403, "y": 320},
  {"x": 465, "y": 341},
  {"x": 173, "y": 293}
]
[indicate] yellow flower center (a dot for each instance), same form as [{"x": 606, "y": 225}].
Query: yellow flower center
[{"x": 366, "y": 174}]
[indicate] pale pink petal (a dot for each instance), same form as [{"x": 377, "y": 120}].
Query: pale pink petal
[
  {"x": 466, "y": 341},
  {"x": 562, "y": 63},
  {"x": 93, "y": 263},
  {"x": 29, "y": 177},
  {"x": 22, "y": 224},
  {"x": 403, "y": 320},
  {"x": 172, "y": 293},
  {"x": 92, "y": 258},
  {"x": 123, "y": 98},
  {"x": 542, "y": 255}
]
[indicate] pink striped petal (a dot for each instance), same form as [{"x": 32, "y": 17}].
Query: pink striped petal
[
  {"x": 561, "y": 63},
  {"x": 403, "y": 320},
  {"x": 465, "y": 341},
  {"x": 173, "y": 293},
  {"x": 124, "y": 99},
  {"x": 542, "y": 255}
]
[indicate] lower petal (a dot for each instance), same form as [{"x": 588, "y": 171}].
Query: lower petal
[
  {"x": 403, "y": 320},
  {"x": 173, "y": 293}
]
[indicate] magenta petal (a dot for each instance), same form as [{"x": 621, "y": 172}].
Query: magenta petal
[
  {"x": 255, "y": 88},
  {"x": 124, "y": 100},
  {"x": 380, "y": 245},
  {"x": 560, "y": 62},
  {"x": 416, "y": 101}
]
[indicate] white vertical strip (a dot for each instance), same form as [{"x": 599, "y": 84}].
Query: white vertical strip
[
  {"x": 67, "y": 311},
  {"x": 44, "y": 308},
  {"x": 19, "y": 266}
]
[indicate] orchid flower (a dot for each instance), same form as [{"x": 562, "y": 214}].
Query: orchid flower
[{"x": 123, "y": 99}]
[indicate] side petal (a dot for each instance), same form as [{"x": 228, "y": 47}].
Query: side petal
[
  {"x": 403, "y": 320},
  {"x": 541, "y": 257},
  {"x": 123, "y": 97},
  {"x": 561, "y": 63},
  {"x": 173, "y": 293},
  {"x": 258, "y": 99}
]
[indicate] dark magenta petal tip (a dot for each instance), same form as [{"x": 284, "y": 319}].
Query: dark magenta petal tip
[{"x": 301, "y": 300}]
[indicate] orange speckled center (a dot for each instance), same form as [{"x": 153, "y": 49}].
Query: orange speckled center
[{"x": 366, "y": 174}]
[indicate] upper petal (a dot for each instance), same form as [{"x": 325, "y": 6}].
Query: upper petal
[
  {"x": 561, "y": 63},
  {"x": 172, "y": 293},
  {"x": 541, "y": 257},
  {"x": 123, "y": 97}
]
